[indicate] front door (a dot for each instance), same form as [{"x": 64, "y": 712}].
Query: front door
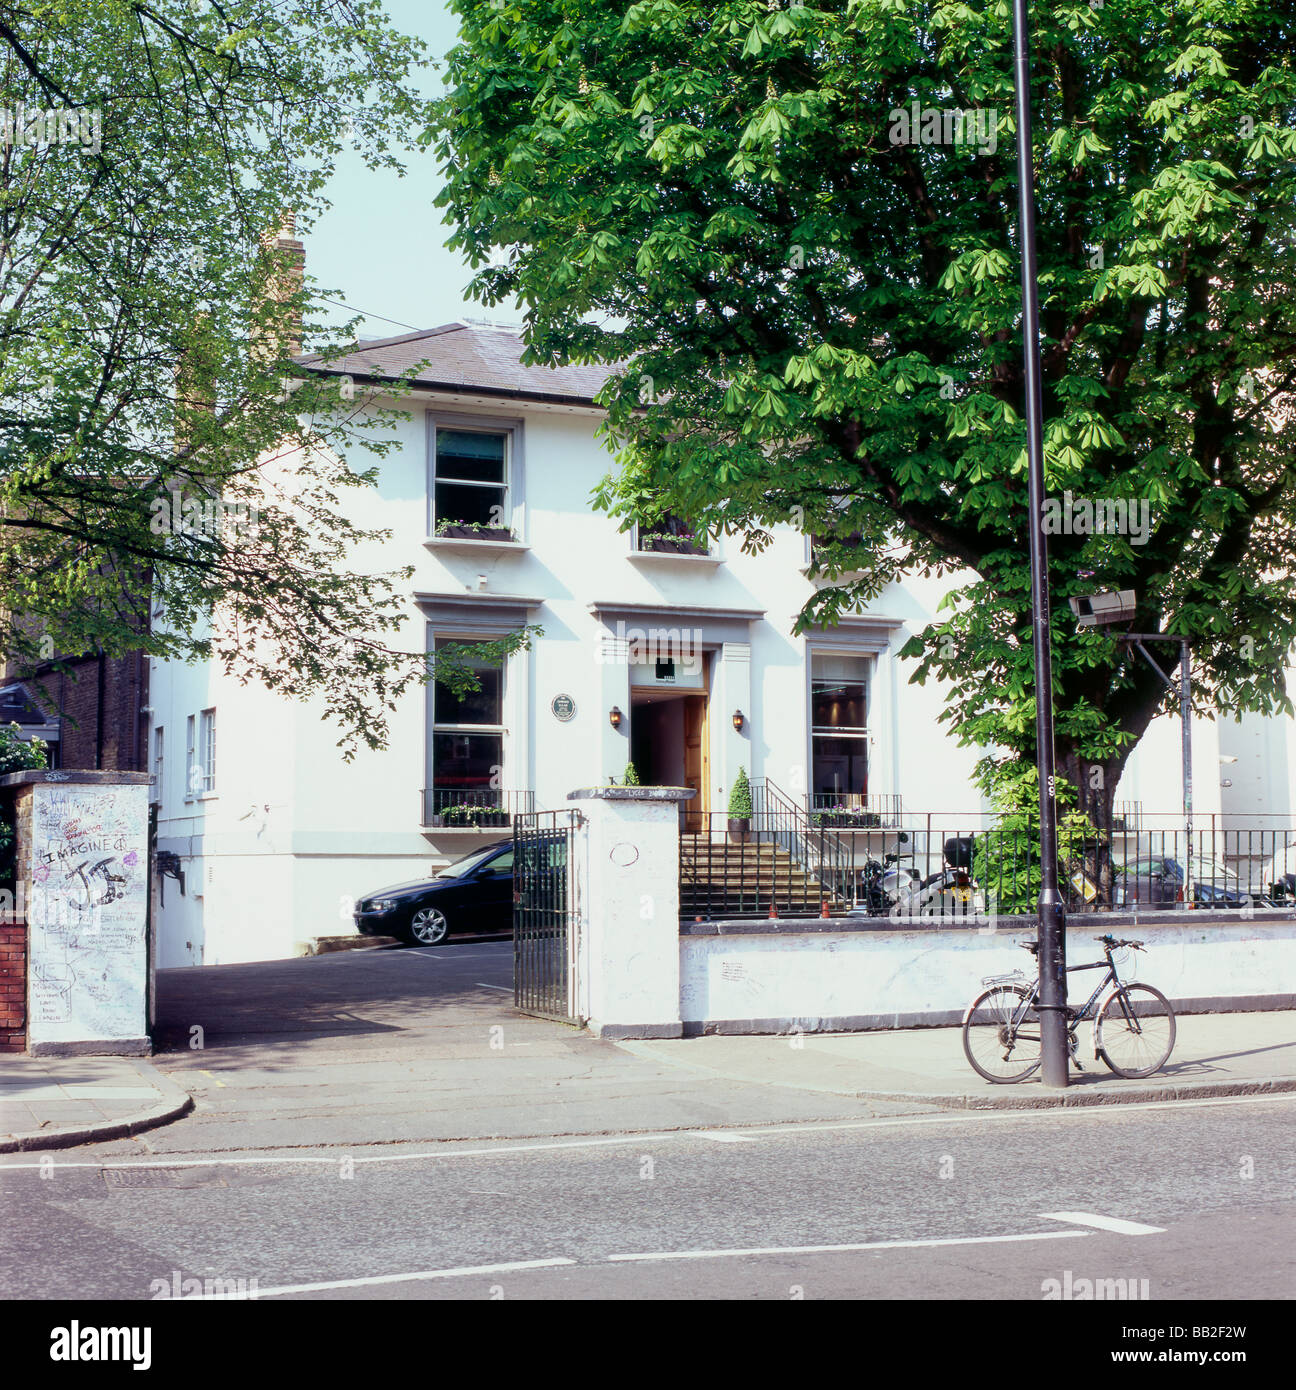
[{"x": 697, "y": 763}]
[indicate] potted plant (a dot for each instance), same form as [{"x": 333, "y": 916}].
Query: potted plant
[
  {"x": 740, "y": 808},
  {"x": 473, "y": 531}
]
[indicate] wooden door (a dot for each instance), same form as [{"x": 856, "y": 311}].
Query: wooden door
[{"x": 697, "y": 762}]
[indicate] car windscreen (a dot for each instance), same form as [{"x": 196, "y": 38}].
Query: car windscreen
[{"x": 468, "y": 863}]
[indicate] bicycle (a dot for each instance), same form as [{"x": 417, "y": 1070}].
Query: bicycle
[{"x": 1134, "y": 1028}]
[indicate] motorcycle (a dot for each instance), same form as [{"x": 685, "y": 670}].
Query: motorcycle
[
  {"x": 891, "y": 891},
  {"x": 884, "y": 883},
  {"x": 951, "y": 892}
]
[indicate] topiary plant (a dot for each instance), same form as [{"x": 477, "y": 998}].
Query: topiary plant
[
  {"x": 631, "y": 776},
  {"x": 740, "y": 800}
]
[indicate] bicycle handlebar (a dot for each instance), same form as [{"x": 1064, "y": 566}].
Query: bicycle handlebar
[{"x": 1113, "y": 945}]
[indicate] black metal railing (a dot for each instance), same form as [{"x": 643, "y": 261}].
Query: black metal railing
[
  {"x": 474, "y": 808},
  {"x": 939, "y": 865}
]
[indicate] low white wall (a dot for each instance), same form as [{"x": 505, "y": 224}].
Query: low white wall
[{"x": 745, "y": 980}]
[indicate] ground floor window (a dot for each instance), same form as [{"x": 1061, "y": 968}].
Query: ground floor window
[
  {"x": 839, "y": 729},
  {"x": 467, "y": 743}
]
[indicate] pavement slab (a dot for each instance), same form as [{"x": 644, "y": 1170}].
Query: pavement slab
[
  {"x": 1215, "y": 1054},
  {"x": 384, "y": 1047},
  {"x": 56, "y": 1102}
]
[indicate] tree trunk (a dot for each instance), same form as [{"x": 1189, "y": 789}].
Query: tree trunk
[{"x": 1088, "y": 875}]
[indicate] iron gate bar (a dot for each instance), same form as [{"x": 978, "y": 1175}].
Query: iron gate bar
[{"x": 545, "y": 913}]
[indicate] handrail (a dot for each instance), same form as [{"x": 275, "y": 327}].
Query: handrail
[{"x": 825, "y": 856}]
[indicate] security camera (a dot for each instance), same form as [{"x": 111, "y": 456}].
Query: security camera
[{"x": 1099, "y": 610}]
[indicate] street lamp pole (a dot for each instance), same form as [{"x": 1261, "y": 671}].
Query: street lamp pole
[{"x": 1054, "y": 1051}]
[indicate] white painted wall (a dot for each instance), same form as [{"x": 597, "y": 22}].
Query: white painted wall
[
  {"x": 892, "y": 977},
  {"x": 294, "y": 833}
]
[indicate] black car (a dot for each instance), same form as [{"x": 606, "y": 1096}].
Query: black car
[{"x": 475, "y": 894}]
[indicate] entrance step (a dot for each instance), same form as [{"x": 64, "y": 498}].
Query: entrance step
[{"x": 720, "y": 877}]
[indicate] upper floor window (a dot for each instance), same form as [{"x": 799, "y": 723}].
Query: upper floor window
[
  {"x": 193, "y": 773},
  {"x": 670, "y": 534},
  {"x": 206, "y": 766},
  {"x": 470, "y": 487},
  {"x": 158, "y": 747},
  {"x": 841, "y": 544}
]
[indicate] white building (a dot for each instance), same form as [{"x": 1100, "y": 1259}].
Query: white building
[{"x": 684, "y": 663}]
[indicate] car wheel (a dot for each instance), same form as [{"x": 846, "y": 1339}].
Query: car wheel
[{"x": 427, "y": 927}]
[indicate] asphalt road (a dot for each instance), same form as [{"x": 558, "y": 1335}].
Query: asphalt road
[
  {"x": 384, "y": 1127},
  {"x": 952, "y": 1206}
]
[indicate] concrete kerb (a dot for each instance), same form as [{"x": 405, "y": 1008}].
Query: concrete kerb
[
  {"x": 1086, "y": 1095},
  {"x": 175, "y": 1102}
]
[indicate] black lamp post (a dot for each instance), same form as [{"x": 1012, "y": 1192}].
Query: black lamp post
[{"x": 1054, "y": 1056}]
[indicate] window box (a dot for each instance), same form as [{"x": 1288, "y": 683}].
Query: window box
[
  {"x": 466, "y": 816},
  {"x": 848, "y": 820},
  {"x": 672, "y": 545},
  {"x": 473, "y": 531}
]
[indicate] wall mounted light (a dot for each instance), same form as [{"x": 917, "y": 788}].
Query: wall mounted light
[
  {"x": 615, "y": 717},
  {"x": 738, "y": 720}
]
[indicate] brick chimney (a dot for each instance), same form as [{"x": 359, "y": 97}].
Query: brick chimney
[{"x": 287, "y": 276}]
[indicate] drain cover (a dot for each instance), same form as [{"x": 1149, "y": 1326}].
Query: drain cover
[{"x": 119, "y": 1178}]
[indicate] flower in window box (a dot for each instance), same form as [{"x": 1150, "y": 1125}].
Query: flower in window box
[
  {"x": 672, "y": 543},
  {"x": 473, "y": 531}
]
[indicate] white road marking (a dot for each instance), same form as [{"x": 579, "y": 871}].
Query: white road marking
[
  {"x": 440, "y": 953},
  {"x": 721, "y": 1136},
  {"x": 1104, "y": 1223},
  {"x": 836, "y": 1249},
  {"x": 759, "y": 1131},
  {"x": 481, "y": 984},
  {"x": 333, "y": 1160},
  {"x": 512, "y": 1265}
]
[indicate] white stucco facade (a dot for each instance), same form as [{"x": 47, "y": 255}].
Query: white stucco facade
[{"x": 288, "y": 834}]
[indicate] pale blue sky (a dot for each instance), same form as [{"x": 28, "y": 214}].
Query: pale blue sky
[{"x": 382, "y": 242}]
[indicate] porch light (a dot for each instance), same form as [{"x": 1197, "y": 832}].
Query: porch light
[
  {"x": 615, "y": 717},
  {"x": 738, "y": 720}
]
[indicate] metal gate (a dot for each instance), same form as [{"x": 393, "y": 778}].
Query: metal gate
[{"x": 545, "y": 914}]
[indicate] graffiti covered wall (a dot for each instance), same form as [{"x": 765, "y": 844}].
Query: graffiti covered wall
[{"x": 87, "y": 913}]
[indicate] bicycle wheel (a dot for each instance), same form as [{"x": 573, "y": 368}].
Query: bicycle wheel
[
  {"x": 1001, "y": 1034},
  {"x": 1135, "y": 1031}
]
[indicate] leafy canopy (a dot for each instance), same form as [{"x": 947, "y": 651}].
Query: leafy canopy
[
  {"x": 816, "y": 324},
  {"x": 146, "y": 342}
]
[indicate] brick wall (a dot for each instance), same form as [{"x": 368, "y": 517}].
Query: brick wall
[
  {"x": 13, "y": 985},
  {"x": 114, "y": 738},
  {"x": 13, "y": 931}
]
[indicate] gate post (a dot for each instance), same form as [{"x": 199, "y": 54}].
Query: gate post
[
  {"x": 628, "y": 879},
  {"x": 81, "y": 873}
]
